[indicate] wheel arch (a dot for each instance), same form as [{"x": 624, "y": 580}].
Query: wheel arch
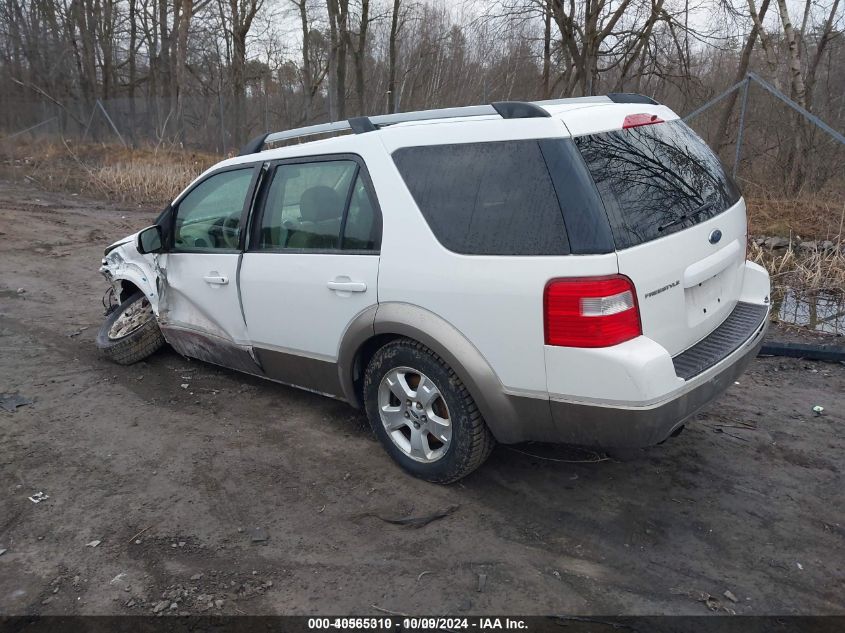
[
  {"x": 379, "y": 324},
  {"x": 128, "y": 281},
  {"x": 127, "y": 288}
]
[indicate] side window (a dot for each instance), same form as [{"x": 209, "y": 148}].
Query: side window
[
  {"x": 305, "y": 205},
  {"x": 493, "y": 198},
  {"x": 363, "y": 223},
  {"x": 209, "y": 217}
]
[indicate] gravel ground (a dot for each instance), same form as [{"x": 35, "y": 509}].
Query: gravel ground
[{"x": 235, "y": 495}]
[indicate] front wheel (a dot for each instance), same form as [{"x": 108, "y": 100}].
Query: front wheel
[
  {"x": 130, "y": 333},
  {"x": 423, "y": 414}
]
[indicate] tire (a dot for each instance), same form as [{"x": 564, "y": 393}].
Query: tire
[
  {"x": 138, "y": 343},
  {"x": 469, "y": 441}
]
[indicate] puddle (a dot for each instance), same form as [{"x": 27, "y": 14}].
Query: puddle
[{"x": 824, "y": 312}]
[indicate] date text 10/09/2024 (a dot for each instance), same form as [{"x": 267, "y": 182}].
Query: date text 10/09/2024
[{"x": 418, "y": 624}]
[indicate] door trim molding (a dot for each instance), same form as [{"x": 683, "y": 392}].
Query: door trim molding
[{"x": 313, "y": 374}]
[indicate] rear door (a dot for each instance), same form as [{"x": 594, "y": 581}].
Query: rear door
[
  {"x": 199, "y": 309},
  {"x": 312, "y": 267},
  {"x": 678, "y": 222}
]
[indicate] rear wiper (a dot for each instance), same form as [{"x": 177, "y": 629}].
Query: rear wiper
[{"x": 685, "y": 216}]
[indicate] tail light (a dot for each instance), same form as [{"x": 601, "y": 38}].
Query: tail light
[
  {"x": 636, "y": 120},
  {"x": 590, "y": 311}
]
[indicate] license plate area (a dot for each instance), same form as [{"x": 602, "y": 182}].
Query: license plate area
[{"x": 704, "y": 299}]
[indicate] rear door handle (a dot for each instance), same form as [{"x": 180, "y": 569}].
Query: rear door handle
[
  {"x": 216, "y": 280},
  {"x": 347, "y": 286}
]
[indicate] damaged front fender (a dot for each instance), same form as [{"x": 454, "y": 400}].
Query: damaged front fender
[{"x": 124, "y": 268}]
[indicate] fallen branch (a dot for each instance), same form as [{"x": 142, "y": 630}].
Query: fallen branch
[
  {"x": 139, "y": 534},
  {"x": 415, "y": 522}
]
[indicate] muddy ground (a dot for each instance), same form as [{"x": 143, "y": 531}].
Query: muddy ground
[{"x": 172, "y": 481}]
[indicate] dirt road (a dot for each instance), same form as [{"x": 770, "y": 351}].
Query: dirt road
[{"x": 172, "y": 481}]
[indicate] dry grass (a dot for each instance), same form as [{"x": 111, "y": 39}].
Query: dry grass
[
  {"x": 808, "y": 217},
  {"x": 145, "y": 175},
  {"x": 144, "y": 181},
  {"x": 809, "y": 272}
]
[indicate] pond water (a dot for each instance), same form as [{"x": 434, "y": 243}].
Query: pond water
[{"x": 824, "y": 312}]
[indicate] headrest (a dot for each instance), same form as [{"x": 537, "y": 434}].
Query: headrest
[{"x": 320, "y": 203}]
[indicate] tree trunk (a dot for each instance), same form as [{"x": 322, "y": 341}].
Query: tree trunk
[
  {"x": 307, "y": 76},
  {"x": 164, "y": 48},
  {"x": 798, "y": 90},
  {"x": 547, "y": 49},
  {"x": 332, "y": 10},
  {"x": 825, "y": 37},
  {"x": 361, "y": 57},
  {"x": 798, "y": 93},
  {"x": 391, "y": 68},
  {"x": 342, "y": 28},
  {"x": 640, "y": 45},
  {"x": 722, "y": 135},
  {"x": 133, "y": 38},
  {"x": 185, "y": 15},
  {"x": 238, "y": 97}
]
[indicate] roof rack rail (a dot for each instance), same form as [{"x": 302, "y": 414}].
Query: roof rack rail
[{"x": 362, "y": 125}]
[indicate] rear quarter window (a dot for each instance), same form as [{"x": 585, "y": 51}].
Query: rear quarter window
[
  {"x": 656, "y": 179},
  {"x": 492, "y": 198}
]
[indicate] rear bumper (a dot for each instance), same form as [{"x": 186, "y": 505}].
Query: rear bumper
[{"x": 604, "y": 425}]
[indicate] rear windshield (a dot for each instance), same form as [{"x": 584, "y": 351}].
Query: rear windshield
[
  {"x": 656, "y": 179},
  {"x": 492, "y": 198}
]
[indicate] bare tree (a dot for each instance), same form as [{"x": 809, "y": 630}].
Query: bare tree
[{"x": 392, "y": 97}]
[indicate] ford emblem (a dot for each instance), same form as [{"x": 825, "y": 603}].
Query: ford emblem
[{"x": 715, "y": 236}]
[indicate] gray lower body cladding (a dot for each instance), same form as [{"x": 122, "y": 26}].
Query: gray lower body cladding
[
  {"x": 511, "y": 418},
  {"x": 307, "y": 373},
  {"x": 629, "y": 427}
]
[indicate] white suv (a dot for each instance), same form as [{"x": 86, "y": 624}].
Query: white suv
[{"x": 564, "y": 271}]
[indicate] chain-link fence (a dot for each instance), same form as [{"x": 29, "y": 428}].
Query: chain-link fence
[
  {"x": 772, "y": 142},
  {"x": 767, "y": 140},
  {"x": 211, "y": 124}
]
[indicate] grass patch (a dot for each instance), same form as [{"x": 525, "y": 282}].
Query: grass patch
[
  {"x": 814, "y": 271},
  {"x": 145, "y": 181},
  {"x": 810, "y": 216},
  {"x": 144, "y": 175}
]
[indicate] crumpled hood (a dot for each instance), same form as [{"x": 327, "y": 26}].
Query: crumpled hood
[{"x": 120, "y": 242}]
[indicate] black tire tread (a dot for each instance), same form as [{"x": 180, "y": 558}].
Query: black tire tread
[
  {"x": 481, "y": 440},
  {"x": 134, "y": 347}
]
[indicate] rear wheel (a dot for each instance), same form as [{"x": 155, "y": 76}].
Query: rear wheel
[
  {"x": 423, "y": 414},
  {"x": 130, "y": 333}
]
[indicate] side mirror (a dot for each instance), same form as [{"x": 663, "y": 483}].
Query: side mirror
[{"x": 149, "y": 240}]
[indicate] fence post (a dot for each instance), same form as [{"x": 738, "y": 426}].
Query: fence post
[
  {"x": 222, "y": 128},
  {"x": 741, "y": 131},
  {"x": 113, "y": 126},
  {"x": 90, "y": 120}
]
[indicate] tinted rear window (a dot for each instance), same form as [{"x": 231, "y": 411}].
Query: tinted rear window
[
  {"x": 486, "y": 198},
  {"x": 650, "y": 177}
]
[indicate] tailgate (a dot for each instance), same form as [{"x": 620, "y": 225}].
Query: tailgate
[
  {"x": 679, "y": 226},
  {"x": 686, "y": 285}
]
